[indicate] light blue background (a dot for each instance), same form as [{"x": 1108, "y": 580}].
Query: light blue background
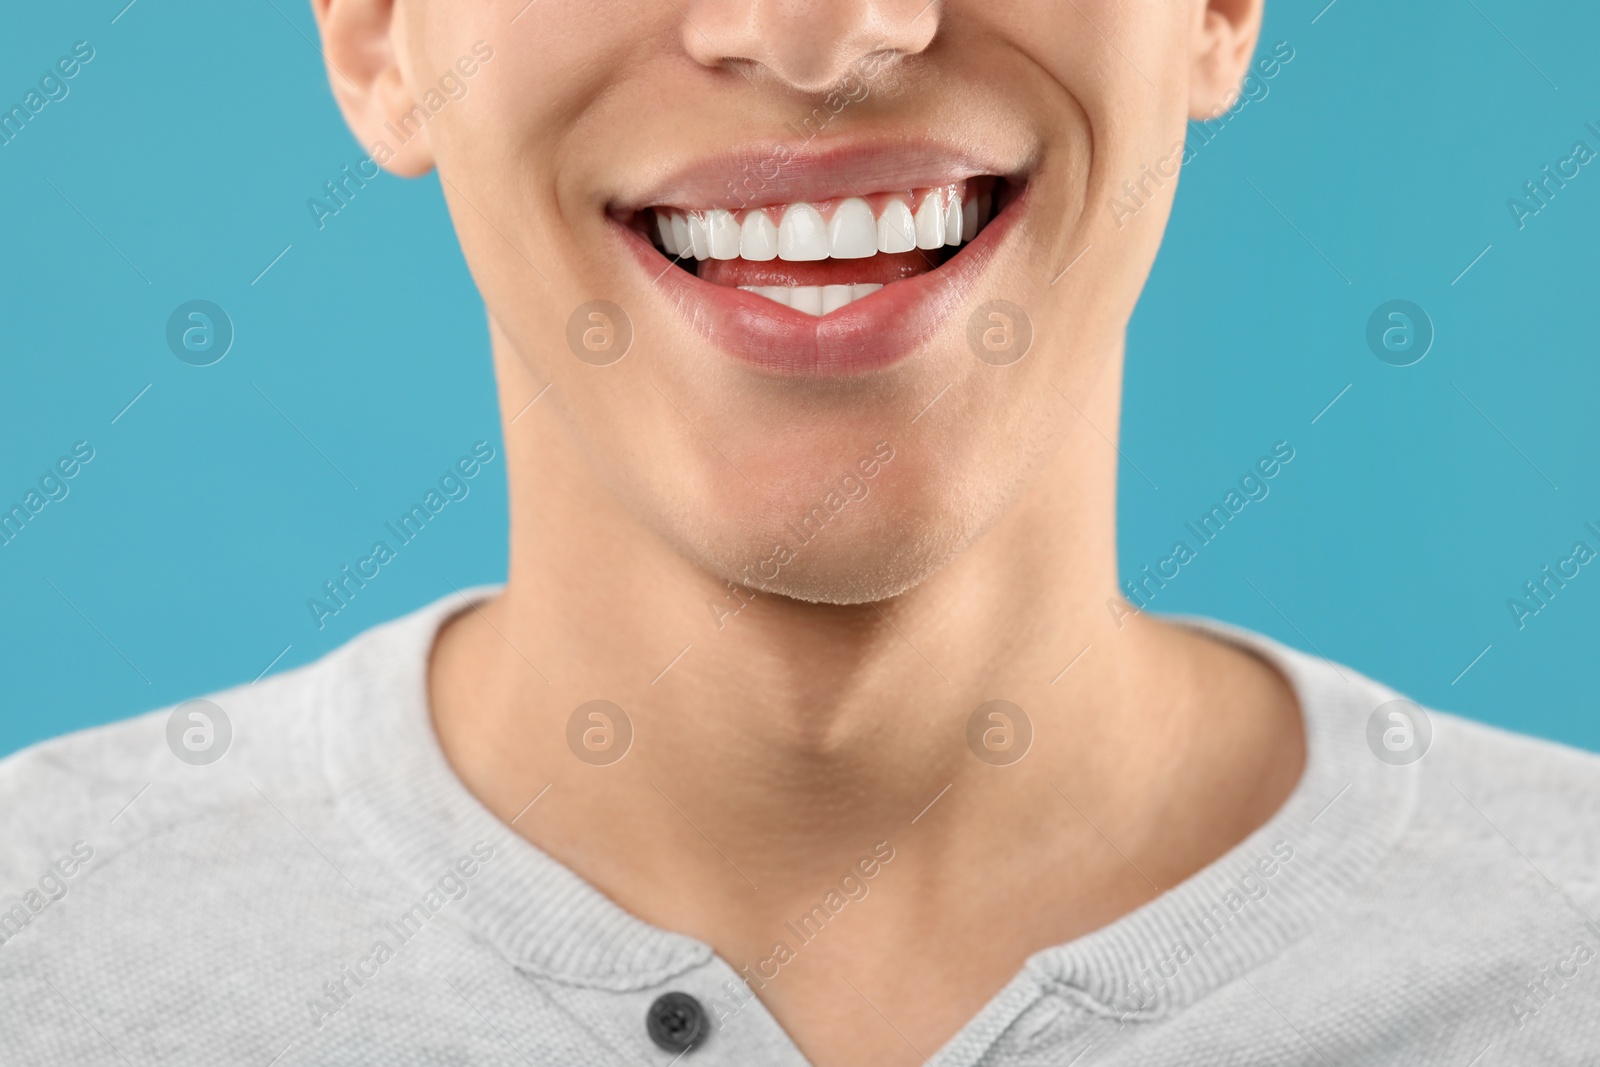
[{"x": 183, "y": 557}]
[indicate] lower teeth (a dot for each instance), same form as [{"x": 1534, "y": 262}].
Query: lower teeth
[{"x": 813, "y": 299}]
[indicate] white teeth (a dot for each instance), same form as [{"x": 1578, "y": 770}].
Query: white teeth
[
  {"x": 724, "y": 234},
  {"x": 848, "y": 228},
  {"x": 930, "y": 223},
  {"x": 664, "y": 228},
  {"x": 776, "y": 293},
  {"x": 813, "y": 299},
  {"x": 835, "y": 297},
  {"x": 699, "y": 240},
  {"x": 897, "y": 231},
  {"x": 758, "y": 238},
  {"x": 853, "y": 234},
  {"x": 802, "y": 236},
  {"x": 807, "y": 298},
  {"x": 680, "y": 235}
]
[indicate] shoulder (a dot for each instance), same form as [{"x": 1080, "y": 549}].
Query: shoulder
[
  {"x": 221, "y": 767},
  {"x": 1517, "y": 763},
  {"x": 97, "y": 790},
  {"x": 1452, "y": 809},
  {"x": 1486, "y": 786},
  {"x": 117, "y": 786},
  {"x": 1449, "y": 780}
]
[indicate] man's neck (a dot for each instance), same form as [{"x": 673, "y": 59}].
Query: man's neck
[{"x": 775, "y": 742}]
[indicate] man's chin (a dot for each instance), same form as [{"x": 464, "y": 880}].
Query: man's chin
[
  {"x": 842, "y": 573},
  {"x": 847, "y": 588}
]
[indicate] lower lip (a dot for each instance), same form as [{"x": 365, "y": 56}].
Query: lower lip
[{"x": 868, "y": 334}]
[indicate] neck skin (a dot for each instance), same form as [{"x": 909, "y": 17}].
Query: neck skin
[{"x": 780, "y": 749}]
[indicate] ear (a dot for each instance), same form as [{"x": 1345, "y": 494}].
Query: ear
[
  {"x": 363, "y": 41},
  {"x": 1223, "y": 44}
]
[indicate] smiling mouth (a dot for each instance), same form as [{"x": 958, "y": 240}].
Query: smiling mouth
[
  {"x": 804, "y": 261},
  {"x": 817, "y": 257}
]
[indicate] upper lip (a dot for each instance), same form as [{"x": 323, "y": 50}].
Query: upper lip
[{"x": 761, "y": 174}]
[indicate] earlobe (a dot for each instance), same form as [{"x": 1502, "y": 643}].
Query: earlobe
[
  {"x": 363, "y": 43},
  {"x": 1224, "y": 41}
]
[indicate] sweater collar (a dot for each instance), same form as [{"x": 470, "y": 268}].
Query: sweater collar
[
  {"x": 398, "y": 792},
  {"x": 1345, "y": 814},
  {"x": 396, "y": 789}
]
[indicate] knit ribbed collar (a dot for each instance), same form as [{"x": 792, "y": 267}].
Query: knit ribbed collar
[
  {"x": 1345, "y": 814},
  {"x": 394, "y": 786}
]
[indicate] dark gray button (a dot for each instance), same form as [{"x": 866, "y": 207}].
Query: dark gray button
[{"x": 676, "y": 1022}]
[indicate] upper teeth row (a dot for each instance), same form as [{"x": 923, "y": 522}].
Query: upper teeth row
[{"x": 803, "y": 233}]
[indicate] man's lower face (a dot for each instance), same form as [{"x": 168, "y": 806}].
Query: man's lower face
[{"x": 736, "y": 295}]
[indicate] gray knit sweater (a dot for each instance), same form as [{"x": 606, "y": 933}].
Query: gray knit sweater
[{"x": 329, "y": 893}]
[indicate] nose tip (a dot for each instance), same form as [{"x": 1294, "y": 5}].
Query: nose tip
[{"x": 809, "y": 45}]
